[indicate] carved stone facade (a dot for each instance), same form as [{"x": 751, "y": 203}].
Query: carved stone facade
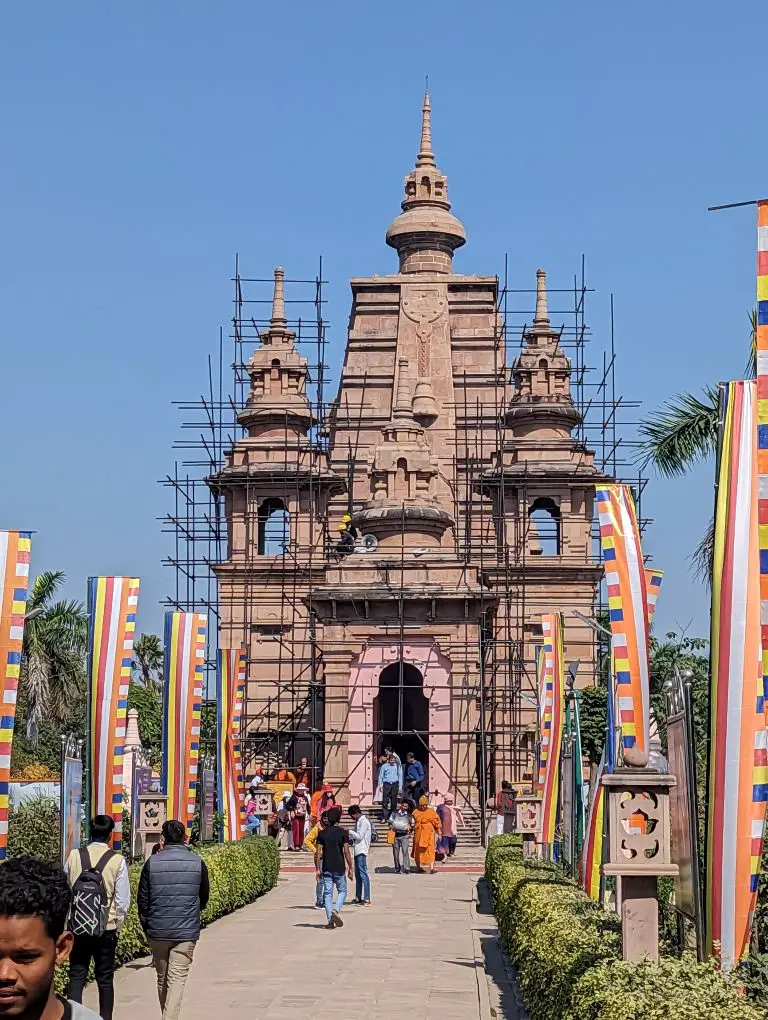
[{"x": 471, "y": 506}]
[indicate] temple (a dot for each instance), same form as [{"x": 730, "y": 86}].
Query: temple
[{"x": 387, "y": 560}]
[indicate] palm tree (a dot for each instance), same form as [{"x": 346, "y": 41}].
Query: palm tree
[
  {"x": 148, "y": 661},
  {"x": 53, "y": 676},
  {"x": 684, "y": 433}
]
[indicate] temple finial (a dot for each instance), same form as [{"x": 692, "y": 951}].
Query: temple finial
[
  {"x": 426, "y": 156},
  {"x": 541, "y": 318},
  {"x": 278, "y": 299},
  {"x": 403, "y": 401}
]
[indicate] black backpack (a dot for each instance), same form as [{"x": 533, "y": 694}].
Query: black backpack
[{"x": 89, "y": 911}]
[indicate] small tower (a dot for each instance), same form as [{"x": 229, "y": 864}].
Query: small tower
[
  {"x": 277, "y": 404},
  {"x": 276, "y": 484},
  {"x": 542, "y": 399}
]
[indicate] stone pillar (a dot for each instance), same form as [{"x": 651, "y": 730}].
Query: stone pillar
[
  {"x": 337, "y": 663},
  {"x": 639, "y": 850}
]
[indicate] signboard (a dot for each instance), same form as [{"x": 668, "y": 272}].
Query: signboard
[
  {"x": 142, "y": 783},
  {"x": 683, "y": 818},
  {"x": 71, "y": 797},
  {"x": 207, "y": 804},
  {"x": 680, "y": 809}
]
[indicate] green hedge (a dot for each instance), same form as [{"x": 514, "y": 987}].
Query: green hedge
[
  {"x": 567, "y": 954},
  {"x": 239, "y": 873}
]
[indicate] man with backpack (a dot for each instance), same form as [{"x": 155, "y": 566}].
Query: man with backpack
[
  {"x": 101, "y": 896},
  {"x": 173, "y": 890}
]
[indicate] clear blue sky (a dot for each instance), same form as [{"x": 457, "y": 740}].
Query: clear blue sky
[{"x": 144, "y": 144}]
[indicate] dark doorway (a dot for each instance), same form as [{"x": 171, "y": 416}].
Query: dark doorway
[{"x": 399, "y": 708}]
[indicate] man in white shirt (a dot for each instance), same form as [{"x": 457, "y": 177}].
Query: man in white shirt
[
  {"x": 99, "y": 948},
  {"x": 360, "y": 838}
]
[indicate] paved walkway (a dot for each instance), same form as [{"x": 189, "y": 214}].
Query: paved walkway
[{"x": 427, "y": 947}]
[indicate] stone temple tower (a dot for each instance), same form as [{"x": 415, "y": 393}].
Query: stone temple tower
[{"x": 470, "y": 501}]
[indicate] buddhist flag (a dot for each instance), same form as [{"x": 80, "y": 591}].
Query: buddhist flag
[
  {"x": 626, "y": 580},
  {"x": 15, "y": 548},
  {"x": 738, "y": 768},
  {"x": 230, "y": 690},
  {"x": 184, "y": 662},
  {"x": 591, "y": 859},
  {"x": 552, "y": 714},
  {"x": 112, "y": 606}
]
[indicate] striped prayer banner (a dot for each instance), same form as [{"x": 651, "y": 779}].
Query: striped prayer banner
[
  {"x": 626, "y": 582},
  {"x": 761, "y": 342},
  {"x": 552, "y": 713},
  {"x": 653, "y": 579},
  {"x": 184, "y": 665},
  {"x": 230, "y": 691},
  {"x": 15, "y": 548},
  {"x": 738, "y": 776},
  {"x": 112, "y": 605},
  {"x": 591, "y": 859}
]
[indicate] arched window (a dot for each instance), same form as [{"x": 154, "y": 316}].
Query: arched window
[
  {"x": 274, "y": 528},
  {"x": 544, "y": 528},
  {"x": 401, "y": 479},
  {"x": 426, "y": 186},
  {"x": 543, "y": 375}
]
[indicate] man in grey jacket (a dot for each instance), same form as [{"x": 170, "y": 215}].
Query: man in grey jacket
[{"x": 173, "y": 890}]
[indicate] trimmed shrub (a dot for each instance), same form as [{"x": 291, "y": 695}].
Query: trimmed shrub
[
  {"x": 34, "y": 830},
  {"x": 567, "y": 954}
]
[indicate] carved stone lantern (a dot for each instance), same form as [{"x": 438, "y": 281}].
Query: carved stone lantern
[
  {"x": 528, "y": 821},
  {"x": 639, "y": 850}
]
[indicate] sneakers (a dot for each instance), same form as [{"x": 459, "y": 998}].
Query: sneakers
[{"x": 336, "y": 921}]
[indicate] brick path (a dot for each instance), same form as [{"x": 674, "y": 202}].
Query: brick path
[{"x": 426, "y": 945}]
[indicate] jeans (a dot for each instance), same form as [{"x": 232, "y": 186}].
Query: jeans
[
  {"x": 100, "y": 949},
  {"x": 319, "y": 893},
  {"x": 389, "y": 799},
  {"x": 401, "y": 850},
  {"x": 362, "y": 881},
  {"x": 172, "y": 961},
  {"x": 329, "y": 881}
]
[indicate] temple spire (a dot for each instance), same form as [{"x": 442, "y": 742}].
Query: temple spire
[
  {"x": 278, "y": 299},
  {"x": 426, "y": 155},
  {"x": 541, "y": 318}
]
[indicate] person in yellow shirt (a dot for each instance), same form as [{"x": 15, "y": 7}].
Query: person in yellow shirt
[{"x": 310, "y": 843}]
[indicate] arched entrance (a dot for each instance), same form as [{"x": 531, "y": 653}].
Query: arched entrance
[
  {"x": 365, "y": 689},
  {"x": 401, "y": 713}
]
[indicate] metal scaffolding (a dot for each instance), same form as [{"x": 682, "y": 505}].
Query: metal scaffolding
[{"x": 289, "y": 694}]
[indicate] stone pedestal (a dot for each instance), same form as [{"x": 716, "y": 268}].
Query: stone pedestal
[
  {"x": 528, "y": 822},
  {"x": 152, "y": 814},
  {"x": 639, "y": 850}
]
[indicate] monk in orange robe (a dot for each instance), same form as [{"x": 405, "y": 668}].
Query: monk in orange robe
[{"x": 426, "y": 830}]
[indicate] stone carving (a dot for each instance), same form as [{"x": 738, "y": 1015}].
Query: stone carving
[
  {"x": 641, "y": 823},
  {"x": 424, "y": 306}
]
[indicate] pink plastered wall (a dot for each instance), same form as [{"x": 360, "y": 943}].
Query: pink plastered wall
[{"x": 424, "y": 654}]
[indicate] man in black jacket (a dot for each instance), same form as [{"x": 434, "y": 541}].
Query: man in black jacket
[{"x": 173, "y": 890}]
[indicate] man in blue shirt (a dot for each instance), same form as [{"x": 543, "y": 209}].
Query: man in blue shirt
[
  {"x": 414, "y": 777},
  {"x": 389, "y": 780}
]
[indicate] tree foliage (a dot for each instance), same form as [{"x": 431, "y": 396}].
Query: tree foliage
[
  {"x": 148, "y": 661},
  {"x": 53, "y": 678}
]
